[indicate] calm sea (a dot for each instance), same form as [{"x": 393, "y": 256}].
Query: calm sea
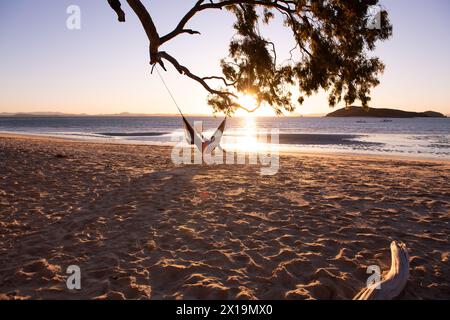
[{"x": 417, "y": 137}]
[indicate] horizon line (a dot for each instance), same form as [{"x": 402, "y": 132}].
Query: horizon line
[{"x": 130, "y": 114}]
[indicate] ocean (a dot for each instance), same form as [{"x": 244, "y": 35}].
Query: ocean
[{"x": 412, "y": 137}]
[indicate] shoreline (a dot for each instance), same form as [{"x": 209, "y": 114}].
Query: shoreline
[{"x": 294, "y": 153}]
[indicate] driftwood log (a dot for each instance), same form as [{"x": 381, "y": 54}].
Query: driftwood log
[{"x": 395, "y": 280}]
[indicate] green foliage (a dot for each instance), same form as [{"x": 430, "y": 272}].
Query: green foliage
[{"x": 333, "y": 44}]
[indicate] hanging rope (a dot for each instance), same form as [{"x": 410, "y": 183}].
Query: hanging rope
[
  {"x": 168, "y": 90},
  {"x": 192, "y": 132}
]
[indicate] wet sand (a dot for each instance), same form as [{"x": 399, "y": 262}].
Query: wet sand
[{"x": 140, "y": 227}]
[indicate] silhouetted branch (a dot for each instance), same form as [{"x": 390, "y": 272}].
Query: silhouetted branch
[
  {"x": 226, "y": 95},
  {"x": 190, "y": 31},
  {"x": 185, "y": 71},
  {"x": 149, "y": 27},
  {"x": 200, "y": 6},
  {"x": 180, "y": 27},
  {"x": 228, "y": 84},
  {"x": 116, "y": 6}
]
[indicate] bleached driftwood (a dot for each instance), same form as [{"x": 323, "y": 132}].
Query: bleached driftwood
[{"x": 395, "y": 281}]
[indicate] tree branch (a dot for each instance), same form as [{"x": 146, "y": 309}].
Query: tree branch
[
  {"x": 180, "y": 27},
  {"x": 190, "y": 31},
  {"x": 228, "y": 84},
  {"x": 149, "y": 27},
  {"x": 200, "y": 6},
  {"x": 116, "y": 6},
  {"x": 185, "y": 71},
  {"x": 226, "y": 95}
]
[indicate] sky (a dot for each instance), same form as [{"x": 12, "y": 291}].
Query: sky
[{"x": 103, "y": 67}]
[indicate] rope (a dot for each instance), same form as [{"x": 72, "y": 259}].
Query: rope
[{"x": 168, "y": 90}]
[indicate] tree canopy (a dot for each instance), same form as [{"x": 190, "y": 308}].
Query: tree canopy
[{"x": 332, "y": 51}]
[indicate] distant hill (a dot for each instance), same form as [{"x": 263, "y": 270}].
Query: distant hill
[
  {"x": 36, "y": 114},
  {"x": 354, "y": 111}
]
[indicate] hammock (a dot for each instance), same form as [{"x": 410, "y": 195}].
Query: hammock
[
  {"x": 195, "y": 138},
  {"x": 192, "y": 136}
]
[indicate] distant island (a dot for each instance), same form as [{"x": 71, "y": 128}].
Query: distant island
[{"x": 354, "y": 111}]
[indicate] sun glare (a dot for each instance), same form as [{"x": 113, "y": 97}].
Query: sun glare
[
  {"x": 248, "y": 139},
  {"x": 248, "y": 102},
  {"x": 247, "y": 133}
]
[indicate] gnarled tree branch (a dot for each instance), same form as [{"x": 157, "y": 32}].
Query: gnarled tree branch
[
  {"x": 185, "y": 71},
  {"x": 149, "y": 27},
  {"x": 200, "y": 6}
]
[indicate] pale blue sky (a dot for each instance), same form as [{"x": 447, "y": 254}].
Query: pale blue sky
[{"x": 103, "y": 68}]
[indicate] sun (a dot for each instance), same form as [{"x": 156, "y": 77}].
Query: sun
[
  {"x": 247, "y": 101},
  {"x": 250, "y": 102}
]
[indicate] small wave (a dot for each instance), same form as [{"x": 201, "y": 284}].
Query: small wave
[
  {"x": 133, "y": 134},
  {"x": 74, "y": 134},
  {"x": 324, "y": 139}
]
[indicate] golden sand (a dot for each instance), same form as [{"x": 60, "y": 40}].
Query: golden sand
[{"x": 140, "y": 227}]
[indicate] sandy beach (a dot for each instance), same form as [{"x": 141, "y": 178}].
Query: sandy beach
[{"x": 140, "y": 227}]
